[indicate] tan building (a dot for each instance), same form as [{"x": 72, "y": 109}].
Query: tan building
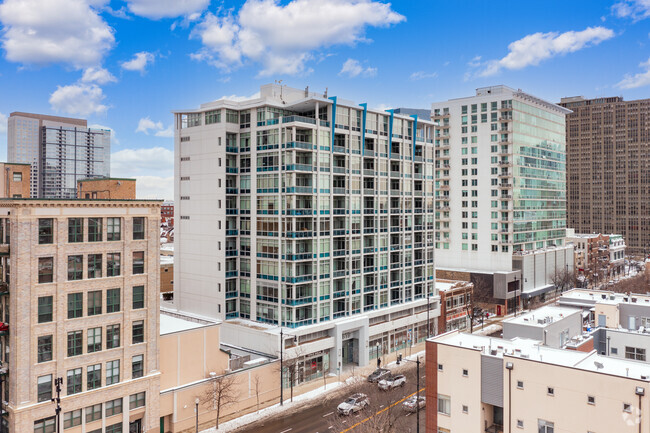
[
  {"x": 483, "y": 384},
  {"x": 80, "y": 303},
  {"x": 14, "y": 180},
  {"x": 106, "y": 188},
  {"x": 608, "y": 152},
  {"x": 598, "y": 258},
  {"x": 166, "y": 277}
]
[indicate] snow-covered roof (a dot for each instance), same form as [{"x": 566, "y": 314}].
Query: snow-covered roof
[
  {"x": 543, "y": 316},
  {"x": 166, "y": 260},
  {"x": 170, "y": 324}
]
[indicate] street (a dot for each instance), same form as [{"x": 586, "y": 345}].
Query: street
[{"x": 320, "y": 416}]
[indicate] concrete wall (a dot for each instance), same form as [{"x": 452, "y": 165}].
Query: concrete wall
[
  {"x": 632, "y": 314},
  {"x": 618, "y": 340},
  {"x": 552, "y": 336}
]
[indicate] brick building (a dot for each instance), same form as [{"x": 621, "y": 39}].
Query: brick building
[
  {"x": 14, "y": 181},
  {"x": 82, "y": 290},
  {"x": 599, "y": 258},
  {"x": 106, "y": 188},
  {"x": 455, "y": 296}
]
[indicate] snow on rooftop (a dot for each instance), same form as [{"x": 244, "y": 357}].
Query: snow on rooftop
[
  {"x": 603, "y": 297},
  {"x": 166, "y": 260},
  {"x": 167, "y": 246},
  {"x": 543, "y": 316},
  {"x": 170, "y": 324}
]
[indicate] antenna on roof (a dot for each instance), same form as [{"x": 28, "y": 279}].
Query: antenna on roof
[
  {"x": 599, "y": 365},
  {"x": 325, "y": 95}
]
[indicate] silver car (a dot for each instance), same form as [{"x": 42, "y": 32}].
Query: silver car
[
  {"x": 392, "y": 382},
  {"x": 409, "y": 404},
  {"x": 353, "y": 404}
]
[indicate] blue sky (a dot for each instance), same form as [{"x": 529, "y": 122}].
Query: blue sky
[{"x": 126, "y": 64}]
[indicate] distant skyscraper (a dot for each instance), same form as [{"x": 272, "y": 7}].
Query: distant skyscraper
[
  {"x": 608, "y": 168},
  {"x": 61, "y": 150}
]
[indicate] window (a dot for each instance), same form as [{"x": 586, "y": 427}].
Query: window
[
  {"x": 138, "y": 332},
  {"x": 75, "y": 305},
  {"x": 520, "y": 384},
  {"x": 520, "y": 423},
  {"x": 94, "y": 265},
  {"x": 44, "y": 348},
  {"x": 138, "y": 228},
  {"x": 440, "y": 367},
  {"x": 136, "y": 400},
  {"x": 115, "y": 428},
  {"x": 74, "y": 381},
  {"x": 44, "y": 388},
  {"x": 94, "y": 302},
  {"x": 635, "y": 353},
  {"x": 545, "y": 426},
  {"x": 138, "y": 297},
  {"x": 44, "y": 309},
  {"x": 444, "y": 404},
  {"x": 550, "y": 391},
  {"x": 75, "y": 230},
  {"x": 465, "y": 372},
  {"x": 112, "y": 372},
  {"x": 113, "y": 407},
  {"x": 627, "y": 407},
  {"x": 138, "y": 262},
  {"x": 112, "y": 300},
  {"x": 94, "y": 339},
  {"x": 45, "y": 270},
  {"x": 18, "y": 177},
  {"x": 113, "y": 229},
  {"x": 72, "y": 418},
  {"x": 112, "y": 336},
  {"x": 465, "y": 409},
  {"x": 94, "y": 376},
  {"x": 75, "y": 343},
  {"x": 591, "y": 399},
  {"x": 93, "y": 413},
  {"x": 45, "y": 231},
  {"x": 95, "y": 229},
  {"x": 137, "y": 366},
  {"x": 75, "y": 268},
  {"x": 113, "y": 264},
  {"x": 47, "y": 425}
]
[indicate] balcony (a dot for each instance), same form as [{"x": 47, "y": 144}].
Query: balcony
[
  {"x": 301, "y": 119},
  {"x": 298, "y": 145},
  {"x": 505, "y": 185},
  {"x": 505, "y": 164}
]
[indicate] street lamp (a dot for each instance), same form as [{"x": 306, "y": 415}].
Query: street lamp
[
  {"x": 196, "y": 409},
  {"x": 417, "y": 391},
  {"x": 640, "y": 391},
  {"x": 282, "y": 366}
]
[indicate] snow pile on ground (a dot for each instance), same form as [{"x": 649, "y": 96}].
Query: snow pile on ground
[
  {"x": 490, "y": 329},
  {"x": 272, "y": 410}
]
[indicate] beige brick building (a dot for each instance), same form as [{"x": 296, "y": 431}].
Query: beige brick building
[
  {"x": 80, "y": 285},
  {"x": 14, "y": 180},
  {"x": 106, "y": 188}
]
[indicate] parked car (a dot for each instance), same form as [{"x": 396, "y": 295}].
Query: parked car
[
  {"x": 392, "y": 382},
  {"x": 353, "y": 404},
  {"x": 379, "y": 374},
  {"x": 409, "y": 404}
]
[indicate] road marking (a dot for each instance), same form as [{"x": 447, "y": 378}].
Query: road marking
[
  {"x": 285, "y": 431},
  {"x": 378, "y": 412},
  {"x": 405, "y": 415},
  {"x": 330, "y": 427},
  {"x": 327, "y": 414},
  {"x": 381, "y": 406}
]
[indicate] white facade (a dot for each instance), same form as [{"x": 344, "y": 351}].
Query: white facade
[{"x": 295, "y": 209}]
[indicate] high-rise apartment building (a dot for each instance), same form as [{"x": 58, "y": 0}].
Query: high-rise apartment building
[
  {"x": 309, "y": 212},
  {"x": 61, "y": 151},
  {"x": 501, "y": 189},
  {"x": 608, "y": 155},
  {"x": 79, "y": 302}
]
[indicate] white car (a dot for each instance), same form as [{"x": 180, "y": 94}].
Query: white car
[
  {"x": 353, "y": 404},
  {"x": 392, "y": 382},
  {"x": 409, "y": 404}
]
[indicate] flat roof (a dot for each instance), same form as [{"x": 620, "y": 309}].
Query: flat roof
[
  {"x": 105, "y": 178},
  {"x": 543, "y": 316},
  {"x": 535, "y": 351},
  {"x": 170, "y": 324},
  {"x": 604, "y": 297},
  {"x": 91, "y": 200}
]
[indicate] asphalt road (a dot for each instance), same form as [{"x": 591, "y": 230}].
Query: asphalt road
[{"x": 320, "y": 416}]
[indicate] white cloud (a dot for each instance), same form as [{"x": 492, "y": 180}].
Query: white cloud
[
  {"x": 153, "y": 168},
  {"x": 533, "y": 49},
  {"x": 383, "y": 107},
  {"x": 98, "y": 75},
  {"x": 114, "y": 139},
  {"x": 3, "y": 123},
  {"x": 156, "y": 9},
  {"x": 78, "y": 99},
  {"x": 139, "y": 62},
  {"x": 55, "y": 31},
  {"x": 282, "y": 37},
  {"x": 641, "y": 79},
  {"x": 352, "y": 68},
  {"x": 421, "y": 75},
  {"x": 146, "y": 125},
  {"x": 635, "y": 9}
]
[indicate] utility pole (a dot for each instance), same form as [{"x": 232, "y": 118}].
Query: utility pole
[
  {"x": 417, "y": 391},
  {"x": 57, "y": 383},
  {"x": 281, "y": 368}
]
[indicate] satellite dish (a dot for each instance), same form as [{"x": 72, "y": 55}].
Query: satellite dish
[{"x": 599, "y": 365}]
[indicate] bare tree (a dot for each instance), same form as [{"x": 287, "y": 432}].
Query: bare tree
[
  {"x": 289, "y": 366},
  {"x": 222, "y": 393},
  {"x": 480, "y": 298},
  {"x": 257, "y": 384}
]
